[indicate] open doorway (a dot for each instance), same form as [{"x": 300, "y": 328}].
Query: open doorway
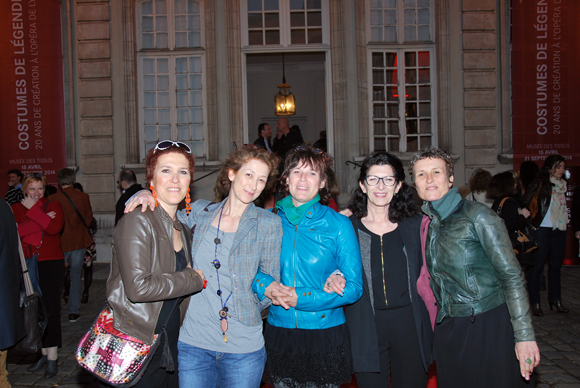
[{"x": 306, "y": 72}]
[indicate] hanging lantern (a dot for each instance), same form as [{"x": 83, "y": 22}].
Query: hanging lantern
[{"x": 285, "y": 102}]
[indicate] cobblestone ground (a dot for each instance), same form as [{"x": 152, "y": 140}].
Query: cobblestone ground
[{"x": 558, "y": 336}]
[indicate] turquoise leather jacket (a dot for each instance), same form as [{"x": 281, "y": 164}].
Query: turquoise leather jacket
[
  {"x": 322, "y": 242},
  {"x": 473, "y": 266}
]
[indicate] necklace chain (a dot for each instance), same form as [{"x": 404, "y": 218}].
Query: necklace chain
[{"x": 223, "y": 313}]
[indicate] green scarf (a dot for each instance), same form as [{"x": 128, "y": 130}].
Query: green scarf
[
  {"x": 446, "y": 204},
  {"x": 294, "y": 214}
]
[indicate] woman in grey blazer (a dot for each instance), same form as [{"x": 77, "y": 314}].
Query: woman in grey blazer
[{"x": 235, "y": 244}]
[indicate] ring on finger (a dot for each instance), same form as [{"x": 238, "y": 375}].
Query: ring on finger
[{"x": 529, "y": 361}]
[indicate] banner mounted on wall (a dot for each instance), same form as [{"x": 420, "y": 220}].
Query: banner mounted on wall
[
  {"x": 31, "y": 79},
  {"x": 546, "y": 83}
]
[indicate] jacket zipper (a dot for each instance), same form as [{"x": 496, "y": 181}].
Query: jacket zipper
[
  {"x": 293, "y": 273},
  {"x": 383, "y": 268}
]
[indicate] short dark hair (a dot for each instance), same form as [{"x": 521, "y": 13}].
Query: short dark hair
[
  {"x": 66, "y": 177},
  {"x": 154, "y": 155},
  {"x": 431, "y": 152},
  {"x": 501, "y": 185},
  {"x": 15, "y": 171},
  {"x": 319, "y": 161},
  {"x": 404, "y": 203},
  {"x": 128, "y": 176},
  {"x": 261, "y": 127}
]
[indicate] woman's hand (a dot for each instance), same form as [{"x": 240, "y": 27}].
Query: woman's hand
[
  {"x": 290, "y": 300},
  {"x": 28, "y": 201},
  {"x": 276, "y": 292},
  {"x": 144, "y": 198},
  {"x": 346, "y": 212},
  {"x": 335, "y": 283},
  {"x": 528, "y": 354},
  {"x": 524, "y": 212},
  {"x": 51, "y": 214},
  {"x": 200, "y": 273}
]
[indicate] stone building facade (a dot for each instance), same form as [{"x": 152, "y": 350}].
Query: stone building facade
[{"x": 462, "y": 104}]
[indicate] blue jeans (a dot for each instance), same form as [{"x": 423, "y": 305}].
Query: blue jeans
[
  {"x": 77, "y": 259},
  {"x": 209, "y": 369}
]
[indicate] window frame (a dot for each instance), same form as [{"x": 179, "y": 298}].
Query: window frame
[
  {"x": 401, "y": 26},
  {"x": 171, "y": 53},
  {"x": 285, "y": 29},
  {"x": 400, "y": 50}
]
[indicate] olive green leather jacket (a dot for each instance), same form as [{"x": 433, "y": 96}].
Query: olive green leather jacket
[{"x": 473, "y": 267}]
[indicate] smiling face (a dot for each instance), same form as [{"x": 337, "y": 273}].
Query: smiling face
[
  {"x": 380, "y": 195},
  {"x": 304, "y": 183},
  {"x": 558, "y": 170},
  {"x": 431, "y": 178},
  {"x": 171, "y": 179},
  {"x": 13, "y": 180},
  {"x": 35, "y": 190},
  {"x": 249, "y": 181},
  {"x": 267, "y": 131}
]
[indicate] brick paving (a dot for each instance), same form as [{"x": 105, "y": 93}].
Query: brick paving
[{"x": 558, "y": 336}]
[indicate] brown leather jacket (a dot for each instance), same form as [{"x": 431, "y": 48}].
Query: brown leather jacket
[{"x": 143, "y": 272}]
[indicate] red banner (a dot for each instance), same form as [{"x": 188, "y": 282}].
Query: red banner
[
  {"x": 31, "y": 79},
  {"x": 546, "y": 83}
]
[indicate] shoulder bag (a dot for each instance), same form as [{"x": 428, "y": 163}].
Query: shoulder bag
[
  {"x": 33, "y": 311},
  {"x": 117, "y": 358},
  {"x": 523, "y": 240}
]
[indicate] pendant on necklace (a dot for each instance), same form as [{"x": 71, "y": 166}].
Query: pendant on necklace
[
  {"x": 217, "y": 240},
  {"x": 177, "y": 225}
]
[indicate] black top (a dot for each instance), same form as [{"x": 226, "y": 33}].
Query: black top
[
  {"x": 389, "y": 270},
  {"x": 509, "y": 213},
  {"x": 173, "y": 324}
]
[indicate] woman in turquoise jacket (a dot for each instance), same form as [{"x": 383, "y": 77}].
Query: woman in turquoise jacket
[{"x": 307, "y": 341}]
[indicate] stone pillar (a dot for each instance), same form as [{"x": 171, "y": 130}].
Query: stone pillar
[
  {"x": 480, "y": 94},
  {"x": 95, "y": 107}
]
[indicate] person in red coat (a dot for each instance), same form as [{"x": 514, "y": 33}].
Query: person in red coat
[{"x": 40, "y": 223}]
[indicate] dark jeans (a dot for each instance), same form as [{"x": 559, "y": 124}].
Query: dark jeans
[{"x": 552, "y": 244}]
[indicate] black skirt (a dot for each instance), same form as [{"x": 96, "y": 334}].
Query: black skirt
[
  {"x": 301, "y": 358},
  {"x": 478, "y": 353}
]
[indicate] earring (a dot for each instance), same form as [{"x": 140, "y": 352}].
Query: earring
[
  {"x": 154, "y": 195},
  {"x": 187, "y": 202}
]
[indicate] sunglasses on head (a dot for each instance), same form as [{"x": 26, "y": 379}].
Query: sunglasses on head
[
  {"x": 165, "y": 144},
  {"x": 306, "y": 148}
]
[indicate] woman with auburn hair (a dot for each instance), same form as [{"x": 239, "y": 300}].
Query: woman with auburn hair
[
  {"x": 151, "y": 275},
  {"x": 40, "y": 223},
  {"x": 237, "y": 245}
]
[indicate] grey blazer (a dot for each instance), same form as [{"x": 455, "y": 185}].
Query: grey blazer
[{"x": 255, "y": 253}]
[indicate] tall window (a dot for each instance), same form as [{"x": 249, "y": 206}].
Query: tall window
[
  {"x": 171, "y": 74},
  {"x": 284, "y": 22},
  {"x": 401, "y": 56}
]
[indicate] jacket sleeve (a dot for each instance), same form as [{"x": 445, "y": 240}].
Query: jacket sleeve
[
  {"x": 269, "y": 268},
  {"x": 37, "y": 220},
  {"x": 509, "y": 213},
  {"x": 349, "y": 263},
  {"x": 496, "y": 244},
  {"x": 134, "y": 247},
  {"x": 88, "y": 216}
]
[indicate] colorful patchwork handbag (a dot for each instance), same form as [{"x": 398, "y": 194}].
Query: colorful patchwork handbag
[{"x": 114, "y": 357}]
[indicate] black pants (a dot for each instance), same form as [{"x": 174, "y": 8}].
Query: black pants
[
  {"x": 552, "y": 244},
  {"x": 50, "y": 276},
  {"x": 399, "y": 353}
]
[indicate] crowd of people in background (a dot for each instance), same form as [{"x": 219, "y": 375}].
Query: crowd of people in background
[{"x": 270, "y": 283}]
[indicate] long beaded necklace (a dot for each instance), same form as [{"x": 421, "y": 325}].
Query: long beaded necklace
[{"x": 223, "y": 313}]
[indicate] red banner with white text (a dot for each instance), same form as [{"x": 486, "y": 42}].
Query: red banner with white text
[
  {"x": 546, "y": 83},
  {"x": 31, "y": 79}
]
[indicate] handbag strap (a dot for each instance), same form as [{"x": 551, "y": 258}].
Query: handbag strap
[
  {"x": 498, "y": 211},
  {"x": 77, "y": 211}
]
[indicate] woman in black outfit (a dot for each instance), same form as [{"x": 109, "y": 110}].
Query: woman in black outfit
[
  {"x": 390, "y": 327},
  {"x": 503, "y": 185},
  {"x": 550, "y": 218}
]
